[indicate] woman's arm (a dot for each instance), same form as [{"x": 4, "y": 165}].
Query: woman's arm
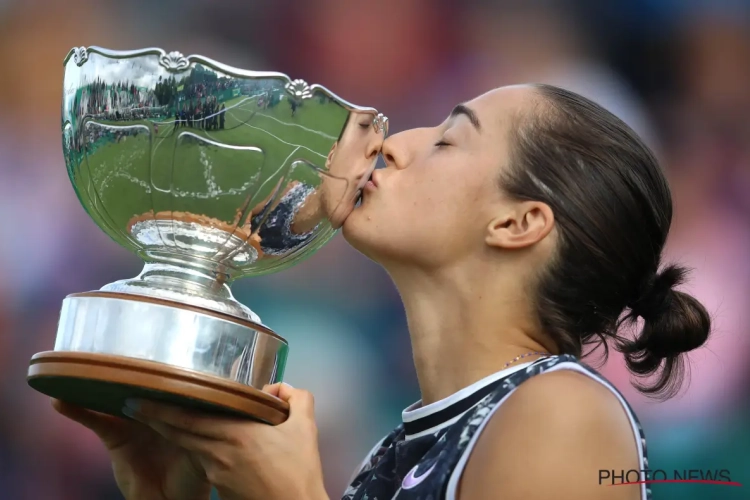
[{"x": 550, "y": 439}]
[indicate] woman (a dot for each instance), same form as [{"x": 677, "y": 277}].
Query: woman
[{"x": 555, "y": 215}]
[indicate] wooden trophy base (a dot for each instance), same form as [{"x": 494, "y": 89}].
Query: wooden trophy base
[{"x": 102, "y": 382}]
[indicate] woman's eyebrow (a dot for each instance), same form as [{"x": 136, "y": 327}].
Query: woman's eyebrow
[{"x": 462, "y": 109}]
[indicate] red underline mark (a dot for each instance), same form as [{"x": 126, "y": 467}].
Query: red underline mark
[{"x": 700, "y": 481}]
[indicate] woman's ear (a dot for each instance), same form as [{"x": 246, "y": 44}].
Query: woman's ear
[{"x": 522, "y": 225}]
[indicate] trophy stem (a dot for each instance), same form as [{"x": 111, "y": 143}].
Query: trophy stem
[
  {"x": 187, "y": 284},
  {"x": 187, "y": 276}
]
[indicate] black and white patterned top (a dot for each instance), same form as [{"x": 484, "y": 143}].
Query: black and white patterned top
[
  {"x": 424, "y": 457},
  {"x": 276, "y": 235}
]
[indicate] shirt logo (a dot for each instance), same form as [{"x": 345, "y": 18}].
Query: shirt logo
[{"x": 412, "y": 481}]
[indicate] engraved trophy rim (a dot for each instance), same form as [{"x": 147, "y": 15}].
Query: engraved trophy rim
[{"x": 176, "y": 61}]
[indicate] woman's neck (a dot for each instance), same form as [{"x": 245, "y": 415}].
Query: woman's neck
[{"x": 464, "y": 327}]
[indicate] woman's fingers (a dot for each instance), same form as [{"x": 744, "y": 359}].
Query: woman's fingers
[
  {"x": 301, "y": 402},
  {"x": 199, "y": 424},
  {"x": 183, "y": 439},
  {"x": 273, "y": 389},
  {"x": 111, "y": 430}
]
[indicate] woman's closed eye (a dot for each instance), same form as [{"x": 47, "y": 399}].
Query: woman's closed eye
[{"x": 441, "y": 143}]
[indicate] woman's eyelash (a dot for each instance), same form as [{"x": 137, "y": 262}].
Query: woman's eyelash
[{"x": 441, "y": 144}]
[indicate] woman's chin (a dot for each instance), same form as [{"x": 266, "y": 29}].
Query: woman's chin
[
  {"x": 350, "y": 222},
  {"x": 357, "y": 229}
]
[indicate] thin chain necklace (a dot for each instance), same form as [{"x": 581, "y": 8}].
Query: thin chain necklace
[{"x": 523, "y": 356}]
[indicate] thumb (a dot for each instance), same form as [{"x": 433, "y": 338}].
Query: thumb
[
  {"x": 273, "y": 389},
  {"x": 111, "y": 430},
  {"x": 301, "y": 402}
]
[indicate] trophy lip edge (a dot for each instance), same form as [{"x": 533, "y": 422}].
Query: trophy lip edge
[{"x": 237, "y": 72}]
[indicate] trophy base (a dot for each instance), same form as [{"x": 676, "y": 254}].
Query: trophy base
[
  {"x": 114, "y": 346},
  {"x": 102, "y": 383}
]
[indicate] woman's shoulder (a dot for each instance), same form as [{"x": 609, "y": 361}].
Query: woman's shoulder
[
  {"x": 561, "y": 424},
  {"x": 574, "y": 392},
  {"x": 564, "y": 390}
]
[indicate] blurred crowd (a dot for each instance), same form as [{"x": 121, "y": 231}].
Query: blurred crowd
[{"x": 678, "y": 71}]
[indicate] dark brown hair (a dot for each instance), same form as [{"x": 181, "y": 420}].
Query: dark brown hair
[{"x": 613, "y": 209}]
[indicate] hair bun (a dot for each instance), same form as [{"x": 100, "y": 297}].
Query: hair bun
[
  {"x": 657, "y": 292},
  {"x": 674, "y": 323}
]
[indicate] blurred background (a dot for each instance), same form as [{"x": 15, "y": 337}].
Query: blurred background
[{"x": 678, "y": 71}]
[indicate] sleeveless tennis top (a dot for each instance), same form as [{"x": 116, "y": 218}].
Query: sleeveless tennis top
[{"x": 423, "y": 458}]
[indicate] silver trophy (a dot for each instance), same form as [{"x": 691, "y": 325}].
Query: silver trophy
[{"x": 209, "y": 174}]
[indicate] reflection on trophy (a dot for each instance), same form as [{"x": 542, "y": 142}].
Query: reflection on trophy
[{"x": 209, "y": 174}]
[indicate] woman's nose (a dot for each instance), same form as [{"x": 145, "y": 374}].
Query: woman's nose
[{"x": 393, "y": 152}]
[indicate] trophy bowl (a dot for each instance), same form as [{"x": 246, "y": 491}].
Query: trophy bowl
[{"x": 209, "y": 174}]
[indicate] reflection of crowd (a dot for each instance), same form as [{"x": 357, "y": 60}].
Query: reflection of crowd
[
  {"x": 269, "y": 99},
  {"x": 94, "y": 137},
  {"x": 206, "y": 115},
  {"x": 200, "y": 90},
  {"x": 118, "y": 101},
  {"x": 198, "y": 104},
  {"x": 132, "y": 114},
  {"x": 272, "y": 99},
  {"x": 125, "y": 101}
]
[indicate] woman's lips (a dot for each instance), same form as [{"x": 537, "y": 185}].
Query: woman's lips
[
  {"x": 372, "y": 182},
  {"x": 374, "y": 179}
]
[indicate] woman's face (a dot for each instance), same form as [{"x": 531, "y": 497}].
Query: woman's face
[
  {"x": 350, "y": 162},
  {"x": 439, "y": 192}
]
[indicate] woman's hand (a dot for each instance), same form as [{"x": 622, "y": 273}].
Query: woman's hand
[
  {"x": 246, "y": 460},
  {"x": 146, "y": 466}
]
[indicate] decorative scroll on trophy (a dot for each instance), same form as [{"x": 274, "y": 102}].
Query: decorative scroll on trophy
[{"x": 209, "y": 174}]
